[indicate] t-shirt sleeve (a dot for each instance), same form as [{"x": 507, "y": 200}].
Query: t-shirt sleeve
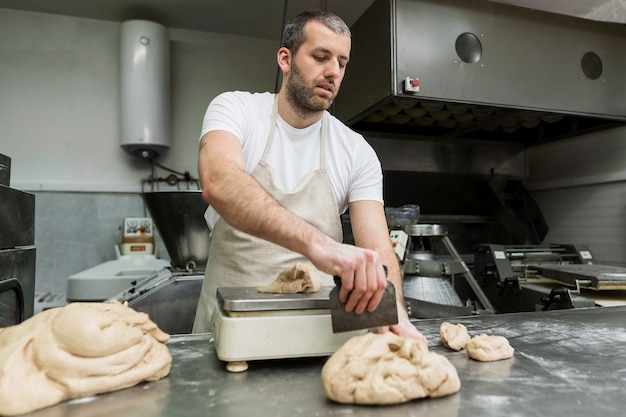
[
  {"x": 226, "y": 112},
  {"x": 367, "y": 180}
]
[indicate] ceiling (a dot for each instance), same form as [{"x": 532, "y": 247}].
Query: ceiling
[{"x": 264, "y": 18}]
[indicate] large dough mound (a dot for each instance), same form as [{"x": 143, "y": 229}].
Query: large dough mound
[
  {"x": 295, "y": 279},
  {"x": 487, "y": 348},
  {"x": 387, "y": 369},
  {"x": 453, "y": 336},
  {"x": 76, "y": 351}
]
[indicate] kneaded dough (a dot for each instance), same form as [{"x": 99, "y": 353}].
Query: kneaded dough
[
  {"x": 380, "y": 369},
  {"x": 487, "y": 348},
  {"x": 454, "y": 336},
  {"x": 76, "y": 351},
  {"x": 297, "y": 278}
]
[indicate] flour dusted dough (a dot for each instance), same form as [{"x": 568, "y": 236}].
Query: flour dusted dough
[
  {"x": 295, "y": 279},
  {"x": 453, "y": 336},
  {"x": 488, "y": 348},
  {"x": 379, "y": 369},
  {"x": 76, "y": 351}
]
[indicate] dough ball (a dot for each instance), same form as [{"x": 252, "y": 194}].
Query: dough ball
[
  {"x": 487, "y": 348},
  {"x": 379, "y": 369},
  {"x": 453, "y": 336},
  {"x": 295, "y": 279},
  {"x": 76, "y": 351}
]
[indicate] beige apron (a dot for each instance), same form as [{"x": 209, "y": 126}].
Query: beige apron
[{"x": 237, "y": 259}]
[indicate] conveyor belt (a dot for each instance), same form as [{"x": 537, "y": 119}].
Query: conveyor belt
[{"x": 596, "y": 277}]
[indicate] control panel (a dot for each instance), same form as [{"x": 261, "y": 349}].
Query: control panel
[{"x": 137, "y": 236}]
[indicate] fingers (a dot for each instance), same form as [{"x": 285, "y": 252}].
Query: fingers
[
  {"x": 404, "y": 329},
  {"x": 367, "y": 288}
]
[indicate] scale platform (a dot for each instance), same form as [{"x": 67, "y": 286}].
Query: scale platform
[{"x": 248, "y": 325}]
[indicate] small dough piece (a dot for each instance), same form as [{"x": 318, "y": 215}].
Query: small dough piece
[
  {"x": 486, "y": 348},
  {"x": 454, "y": 336},
  {"x": 382, "y": 369},
  {"x": 295, "y": 279},
  {"x": 75, "y": 351}
]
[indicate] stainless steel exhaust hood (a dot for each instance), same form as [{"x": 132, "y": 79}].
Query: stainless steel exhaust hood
[{"x": 474, "y": 69}]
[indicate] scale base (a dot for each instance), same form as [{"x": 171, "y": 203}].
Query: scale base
[{"x": 275, "y": 335}]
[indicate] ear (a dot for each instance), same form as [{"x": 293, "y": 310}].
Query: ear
[{"x": 283, "y": 56}]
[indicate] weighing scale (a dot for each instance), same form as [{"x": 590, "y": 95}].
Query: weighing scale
[{"x": 248, "y": 325}]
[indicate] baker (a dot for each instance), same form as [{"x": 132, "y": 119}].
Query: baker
[{"x": 278, "y": 170}]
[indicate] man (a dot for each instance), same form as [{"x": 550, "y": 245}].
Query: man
[{"x": 277, "y": 172}]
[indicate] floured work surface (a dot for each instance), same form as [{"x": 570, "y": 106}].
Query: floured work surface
[{"x": 567, "y": 362}]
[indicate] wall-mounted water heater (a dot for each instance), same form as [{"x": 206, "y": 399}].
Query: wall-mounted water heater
[{"x": 144, "y": 88}]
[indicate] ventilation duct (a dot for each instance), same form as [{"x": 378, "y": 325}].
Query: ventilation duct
[{"x": 482, "y": 70}]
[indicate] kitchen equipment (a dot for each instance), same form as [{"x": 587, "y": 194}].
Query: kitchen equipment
[
  {"x": 386, "y": 314},
  {"x": 137, "y": 236},
  {"x": 170, "y": 296},
  {"x": 464, "y": 69},
  {"x": 248, "y": 325},
  {"x": 179, "y": 219},
  {"x": 547, "y": 277},
  {"x": 430, "y": 268},
  {"x": 17, "y": 250},
  {"x": 145, "y": 128},
  {"x": 109, "y": 278}
]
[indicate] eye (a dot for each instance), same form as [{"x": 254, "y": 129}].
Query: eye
[{"x": 320, "y": 58}]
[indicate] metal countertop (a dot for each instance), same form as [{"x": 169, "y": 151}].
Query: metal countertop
[{"x": 567, "y": 363}]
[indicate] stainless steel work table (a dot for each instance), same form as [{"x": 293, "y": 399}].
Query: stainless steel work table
[{"x": 567, "y": 363}]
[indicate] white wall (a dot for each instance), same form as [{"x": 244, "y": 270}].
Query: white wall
[
  {"x": 59, "y": 93},
  {"x": 580, "y": 185}
]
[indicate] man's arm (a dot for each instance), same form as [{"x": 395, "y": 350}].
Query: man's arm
[
  {"x": 369, "y": 227},
  {"x": 245, "y": 205}
]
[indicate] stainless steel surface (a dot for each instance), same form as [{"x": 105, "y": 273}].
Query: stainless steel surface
[
  {"x": 17, "y": 264},
  {"x": 597, "y": 277},
  {"x": 386, "y": 314},
  {"x": 430, "y": 253},
  {"x": 179, "y": 219},
  {"x": 436, "y": 290},
  {"x": 566, "y": 363},
  {"x": 5, "y": 170},
  {"x": 17, "y": 250},
  {"x": 170, "y": 298},
  {"x": 509, "y": 276},
  {"x": 17, "y": 218},
  {"x": 248, "y": 299},
  {"x": 502, "y": 90},
  {"x": 425, "y": 230}
]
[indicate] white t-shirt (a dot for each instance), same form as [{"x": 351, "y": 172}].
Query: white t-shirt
[{"x": 352, "y": 165}]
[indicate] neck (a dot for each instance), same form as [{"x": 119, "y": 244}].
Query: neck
[{"x": 298, "y": 118}]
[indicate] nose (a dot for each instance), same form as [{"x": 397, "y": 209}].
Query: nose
[{"x": 333, "y": 69}]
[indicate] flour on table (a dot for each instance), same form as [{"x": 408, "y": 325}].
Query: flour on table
[
  {"x": 380, "y": 369},
  {"x": 76, "y": 351}
]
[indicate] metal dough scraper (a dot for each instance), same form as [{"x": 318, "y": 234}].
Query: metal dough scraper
[{"x": 385, "y": 314}]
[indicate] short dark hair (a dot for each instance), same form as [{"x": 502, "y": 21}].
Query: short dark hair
[{"x": 293, "y": 33}]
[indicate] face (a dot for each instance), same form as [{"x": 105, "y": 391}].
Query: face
[{"x": 317, "y": 69}]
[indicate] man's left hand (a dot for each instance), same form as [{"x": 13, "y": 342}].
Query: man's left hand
[{"x": 404, "y": 327}]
